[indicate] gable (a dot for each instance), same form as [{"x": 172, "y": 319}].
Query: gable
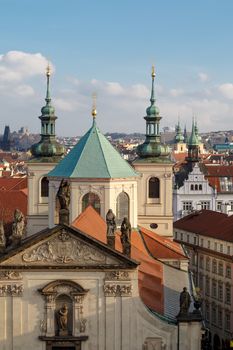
[{"x": 63, "y": 249}]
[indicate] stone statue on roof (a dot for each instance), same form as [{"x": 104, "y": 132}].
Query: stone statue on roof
[
  {"x": 185, "y": 301},
  {"x": 111, "y": 228},
  {"x": 111, "y": 223},
  {"x": 18, "y": 226},
  {"x": 63, "y": 195},
  {"x": 126, "y": 236}
]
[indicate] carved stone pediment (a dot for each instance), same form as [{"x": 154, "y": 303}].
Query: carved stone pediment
[{"x": 62, "y": 249}]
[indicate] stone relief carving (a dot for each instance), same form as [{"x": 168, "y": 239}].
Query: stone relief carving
[
  {"x": 65, "y": 249},
  {"x": 117, "y": 276},
  {"x": 10, "y": 275},
  {"x": 112, "y": 290},
  {"x": 14, "y": 290}
]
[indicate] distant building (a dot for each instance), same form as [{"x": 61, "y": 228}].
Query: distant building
[
  {"x": 208, "y": 239},
  {"x": 6, "y": 140}
]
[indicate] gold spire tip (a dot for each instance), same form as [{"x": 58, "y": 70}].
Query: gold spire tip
[
  {"x": 94, "y": 111},
  {"x": 48, "y": 70},
  {"x": 153, "y": 71}
]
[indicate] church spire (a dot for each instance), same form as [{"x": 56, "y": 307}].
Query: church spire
[
  {"x": 193, "y": 145},
  {"x": 48, "y": 147},
  {"x": 152, "y": 146},
  {"x": 94, "y": 110}
]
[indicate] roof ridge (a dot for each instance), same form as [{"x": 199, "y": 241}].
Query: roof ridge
[
  {"x": 165, "y": 245},
  {"x": 87, "y": 133},
  {"x": 98, "y": 133}
]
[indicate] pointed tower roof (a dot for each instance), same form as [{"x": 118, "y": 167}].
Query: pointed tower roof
[
  {"x": 47, "y": 149},
  {"x": 93, "y": 157},
  {"x": 193, "y": 140},
  {"x": 152, "y": 150},
  {"x": 179, "y": 138}
]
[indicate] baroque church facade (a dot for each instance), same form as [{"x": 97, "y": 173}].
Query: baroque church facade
[{"x": 65, "y": 285}]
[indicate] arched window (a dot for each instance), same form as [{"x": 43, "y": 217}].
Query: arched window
[
  {"x": 92, "y": 199},
  {"x": 122, "y": 207},
  {"x": 196, "y": 187},
  {"x": 192, "y": 187},
  {"x": 44, "y": 188},
  {"x": 200, "y": 187},
  {"x": 154, "y": 190}
]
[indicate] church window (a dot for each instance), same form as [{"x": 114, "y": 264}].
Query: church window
[
  {"x": 44, "y": 187},
  {"x": 226, "y": 184},
  {"x": 192, "y": 187},
  {"x": 214, "y": 289},
  {"x": 228, "y": 271},
  {"x": 205, "y": 205},
  {"x": 196, "y": 187},
  {"x": 200, "y": 187},
  {"x": 92, "y": 199},
  {"x": 219, "y": 205},
  {"x": 187, "y": 206},
  {"x": 154, "y": 187},
  {"x": 122, "y": 207},
  {"x": 227, "y": 320},
  {"x": 228, "y": 294},
  {"x": 214, "y": 312},
  {"x": 219, "y": 316},
  {"x": 214, "y": 266},
  {"x": 220, "y": 291},
  {"x": 220, "y": 268}
]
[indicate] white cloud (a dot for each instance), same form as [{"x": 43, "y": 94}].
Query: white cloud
[
  {"x": 17, "y": 65},
  {"x": 64, "y": 104},
  {"x": 227, "y": 90},
  {"x": 203, "y": 77},
  {"x": 176, "y": 92},
  {"x": 24, "y": 90}
]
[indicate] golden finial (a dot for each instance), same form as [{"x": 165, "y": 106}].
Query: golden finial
[
  {"x": 153, "y": 71},
  {"x": 94, "y": 111},
  {"x": 48, "y": 70}
]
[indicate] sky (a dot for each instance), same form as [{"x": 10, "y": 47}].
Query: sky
[{"x": 107, "y": 47}]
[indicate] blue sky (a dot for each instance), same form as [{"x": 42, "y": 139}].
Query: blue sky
[{"x": 109, "y": 47}]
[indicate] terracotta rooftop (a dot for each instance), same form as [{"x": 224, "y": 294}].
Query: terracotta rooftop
[
  {"x": 146, "y": 247},
  {"x": 13, "y": 183},
  {"x": 208, "y": 223}
]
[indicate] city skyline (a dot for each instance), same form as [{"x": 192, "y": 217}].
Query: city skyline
[{"x": 109, "y": 48}]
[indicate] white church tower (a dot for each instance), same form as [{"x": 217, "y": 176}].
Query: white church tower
[
  {"x": 155, "y": 183},
  {"x": 45, "y": 155}
]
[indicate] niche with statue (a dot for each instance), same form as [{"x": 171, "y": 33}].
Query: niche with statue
[{"x": 64, "y": 310}]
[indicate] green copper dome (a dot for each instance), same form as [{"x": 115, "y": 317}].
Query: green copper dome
[
  {"x": 93, "y": 157},
  {"x": 47, "y": 149},
  {"x": 152, "y": 148}
]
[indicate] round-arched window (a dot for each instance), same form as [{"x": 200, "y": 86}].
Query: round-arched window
[
  {"x": 122, "y": 207},
  {"x": 92, "y": 199},
  {"x": 154, "y": 187},
  {"x": 44, "y": 187}
]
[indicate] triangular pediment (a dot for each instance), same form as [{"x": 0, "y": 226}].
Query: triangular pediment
[{"x": 63, "y": 247}]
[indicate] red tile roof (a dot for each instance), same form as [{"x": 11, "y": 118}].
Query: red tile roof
[
  {"x": 208, "y": 223},
  {"x": 13, "y": 183},
  {"x": 150, "y": 269},
  {"x": 161, "y": 247}
]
